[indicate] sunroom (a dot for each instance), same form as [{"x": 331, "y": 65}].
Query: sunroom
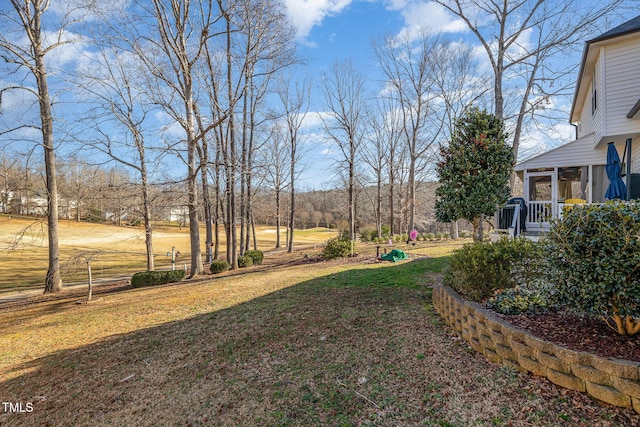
[{"x": 555, "y": 181}]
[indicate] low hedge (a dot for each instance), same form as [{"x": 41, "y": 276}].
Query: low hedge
[
  {"x": 256, "y": 256},
  {"x": 593, "y": 259},
  {"x": 152, "y": 278},
  {"x": 219, "y": 266},
  {"x": 245, "y": 261},
  {"x": 336, "y": 248},
  {"x": 479, "y": 269}
]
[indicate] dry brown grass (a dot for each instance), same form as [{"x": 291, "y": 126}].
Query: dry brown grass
[
  {"x": 345, "y": 342},
  {"x": 23, "y": 248}
]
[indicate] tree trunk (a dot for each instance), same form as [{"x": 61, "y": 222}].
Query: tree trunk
[
  {"x": 148, "y": 229},
  {"x": 478, "y": 229},
  {"x": 475, "y": 223},
  {"x": 90, "y": 280},
  {"x": 453, "y": 230},
  {"x": 278, "y": 219},
  {"x": 253, "y": 230},
  {"x": 379, "y": 205},
  {"x": 218, "y": 200},
  {"x": 206, "y": 199},
  {"x": 192, "y": 190},
  {"x": 232, "y": 236},
  {"x": 292, "y": 210},
  {"x": 412, "y": 194},
  {"x": 352, "y": 198},
  {"x": 53, "y": 282},
  {"x": 243, "y": 171}
]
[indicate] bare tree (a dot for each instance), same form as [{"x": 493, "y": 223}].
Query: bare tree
[
  {"x": 170, "y": 54},
  {"x": 218, "y": 111},
  {"x": 344, "y": 98},
  {"x": 85, "y": 257},
  {"x": 294, "y": 98},
  {"x": 375, "y": 156},
  {"x": 25, "y": 18},
  {"x": 76, "y": 183},
  {"x": 120, "y": 109},
  {"x": 520, "y": 39},
  {"x": 410, "y": 67},
  {"x": 456, "y": 81},
  {"x": 9, "y": 182},
  {"x": 276, "y": 167},
  {"x": 267, "y": 49}
]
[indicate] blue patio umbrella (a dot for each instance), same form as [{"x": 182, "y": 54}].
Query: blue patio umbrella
[{"x": 617, "y": 188}]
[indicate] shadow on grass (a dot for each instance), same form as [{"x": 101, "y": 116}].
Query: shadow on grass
[{"x": 351, "y": 348}]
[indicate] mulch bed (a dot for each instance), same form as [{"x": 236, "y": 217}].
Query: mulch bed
[{"x": 579, "y": 333}]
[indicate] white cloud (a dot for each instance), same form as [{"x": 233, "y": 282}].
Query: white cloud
[
  {"x": 314, "y": 119},
  {"x": 17, "y": 100},
  {"x": 427, "y": 18},
  {"x": 396, "y": 4},
  {"x": 73, "y": 47},
  {"x": 305, "y": 14},
  {"x": 537, "y": 140}
]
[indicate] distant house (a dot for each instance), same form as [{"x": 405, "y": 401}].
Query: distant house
[
  {"x": 5, "y": 197},
  {"x": 35, "y": 205},
  {"x": 179, "y": 214},
  {"x": 605, "y": 109}
]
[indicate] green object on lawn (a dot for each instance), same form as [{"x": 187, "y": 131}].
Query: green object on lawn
[{"x": 394, "y": 255}]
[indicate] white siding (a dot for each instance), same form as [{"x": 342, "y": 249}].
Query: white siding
[
  {"x": 598, "y": 117},
  {"x": 585, "y": 127},
  {"x": 576, "y": 153},
  {"x": 622, "y": 65}
]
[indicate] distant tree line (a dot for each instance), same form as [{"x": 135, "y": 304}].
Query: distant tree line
[{"x": 110, "y": 194}]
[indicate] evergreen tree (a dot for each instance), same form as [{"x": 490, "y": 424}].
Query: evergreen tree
[{"x": 474, "y": 170}]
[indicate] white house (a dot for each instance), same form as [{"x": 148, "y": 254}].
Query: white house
[{"x": 605, "y": 109}]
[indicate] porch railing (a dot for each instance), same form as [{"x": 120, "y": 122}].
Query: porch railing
[
  {"x": 539, "y": 212},
  {"x": 507, "y": 220}
]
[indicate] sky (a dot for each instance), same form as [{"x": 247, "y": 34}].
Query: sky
[{"x": 335, "y": 30}]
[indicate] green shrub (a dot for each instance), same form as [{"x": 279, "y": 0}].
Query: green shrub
[
  {"x": 245, "y": 261},
  {"x": 344, "y": 235},
  {"x": 336, "y": 248},
  {"x": 369, "y": 234},
  {"x": 431, "y": 236},
  {"x": 386, "y": 232},
  {"x": 593, "y": 255},
  {"x": 256, "y": 256},
  {"x": 151, "y": 278},
  {"x": 522, "y": 300},
  {"x": 478, "y": 269},
  {"x": 219, "y": 266}
]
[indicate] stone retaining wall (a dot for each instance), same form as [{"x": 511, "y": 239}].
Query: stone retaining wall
[{"x": 614, "y": 381}]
